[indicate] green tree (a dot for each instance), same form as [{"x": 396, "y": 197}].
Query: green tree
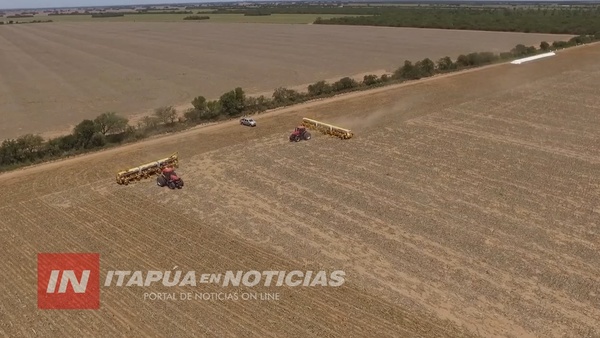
[
  {"x": 67, "y": 142},
  {"x": 199, "y": 103},
  {"x": 193, "y": 115},
  {"x": 232, "y": 102},
  {"x": 425, "y": 67},
  {"x": 149, "y": 122},
  {"x": 345, "y": 83},
  {"x": 9, "y": 152},
  {"x": 53, "y": 146},
  {"x": 285, "y": 96},
  {"x": 519, "y": 50},
  {"x": 84, "y": 132},
  {"x": 111, "y": 123},
  {"x": 200, "y": 110},
  {"x": 213, "y": 108},
  {"x": 487, "y": 57},
  {"x": 581, "y": 39},
  {"x": 30, "y": 145},
  {"x": 445, "y": 64},
  {"x": 462, "y": 61},
  {"x": 473, "y": 59},
  {"x": 98, "y": 140},
  {"x": 262, "y": 102},
  {"x": 407, "y": 72},
  {"x": 166, "y": 115},
  {"x": 319, "y": 88},
  {"x": 369, "y": 80},
  {"x": 61, "y": 144},
  {"x": 256, "y": 104},
  {"x": 544, "y": 45},
  {"x": 560, "y": 44}
]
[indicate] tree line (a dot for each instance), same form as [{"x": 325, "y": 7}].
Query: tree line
[
  {"x": 11, "y": 22},
  {"x": 541, "y": 20},
  {"x": 107, "y": 15},
  {"x": 535, "y": 19},
  {"x": 197, "y": 17},
  {"x": 145, "y": 11},
  {"x": 110, "y": 129}
]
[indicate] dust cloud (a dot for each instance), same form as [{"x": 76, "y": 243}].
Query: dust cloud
[
  {"x": 378, "y": 117},
  {"x": 362, "y": 122}
]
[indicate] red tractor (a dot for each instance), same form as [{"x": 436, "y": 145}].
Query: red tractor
[
  {"x": 170, "y": 179},
  {"x": 300, "y": 133}
]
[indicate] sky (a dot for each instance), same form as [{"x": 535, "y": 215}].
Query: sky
[{"x": 8, "y": 4}]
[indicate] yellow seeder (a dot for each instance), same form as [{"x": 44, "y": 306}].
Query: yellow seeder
[
  {"x": 147, "y": 170},
  {"x": 327, "y": 129}
]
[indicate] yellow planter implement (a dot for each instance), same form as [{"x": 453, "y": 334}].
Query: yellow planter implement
[
  {"x": 147, "y": 170},
  {"x": 327, "y": 129}
]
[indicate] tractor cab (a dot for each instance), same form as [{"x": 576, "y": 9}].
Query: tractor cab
[
  {"x": 169, "y": 174},
  {"x": 299, "y": 133},
  {"x": 169, "y": 178},
  {"x": 299, "y": 130}
]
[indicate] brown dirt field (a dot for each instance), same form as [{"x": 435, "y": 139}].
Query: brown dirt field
[
  {"x": 55, "y": 75},
  {"x": 469, "y": 201}
]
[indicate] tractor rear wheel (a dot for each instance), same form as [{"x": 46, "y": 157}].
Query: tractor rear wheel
[
  {"x": 307, "y": 136},
  {"x": 161, "y": 181}
]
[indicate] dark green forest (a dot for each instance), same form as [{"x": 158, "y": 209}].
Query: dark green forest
[{"x": 541, "y": 20}]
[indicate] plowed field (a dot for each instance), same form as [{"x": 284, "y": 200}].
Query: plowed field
[
  {"x": 463, "y": 202},
  {"x": 55, "y": 75}
]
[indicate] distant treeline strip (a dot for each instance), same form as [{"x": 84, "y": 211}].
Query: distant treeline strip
[
  {"x": 70, "y": 13},
  {"x": 197, "y": 17},
  {"x": 159, "y": 12},
  {"x": 257, "y": 12},
  {"x": 540, "y": 20},
  {"x": 304, "y": 10},
  {"x": 23, "y": 22},
  {"x": 107, "y": 15},
  {"x": 537, "y": 19},
  {"x": 17, "y": 16},
  {"x": 110, "y": 129},
  {"x": 119, "y": 14}
]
